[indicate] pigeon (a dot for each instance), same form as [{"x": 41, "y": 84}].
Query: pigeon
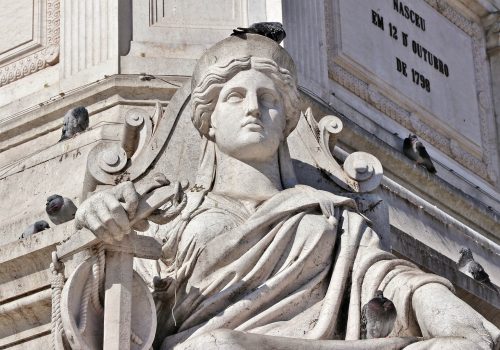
[
  {"x": 60, "y": 209},
  {"x": 377, "y": 317},
  {"x": 271, "y": 30},
  {"x": 35, "y": 228},
  {"x": 75, "y": 121},
  {"x": 415, "y": 150},
  {"x": 470, "y": 267}
]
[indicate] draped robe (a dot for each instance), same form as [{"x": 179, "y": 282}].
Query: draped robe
[{"x": 301, "y": 265}]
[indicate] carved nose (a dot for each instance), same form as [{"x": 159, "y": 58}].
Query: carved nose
[{"x": 253, "y": 106}]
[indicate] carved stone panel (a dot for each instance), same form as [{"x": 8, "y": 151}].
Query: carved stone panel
[
  {"x": 179, "y": 13},
  {"x": 423, "y": 64},
  {"x": 186, "y": 23},
  {"x": 32, "y": 42}
]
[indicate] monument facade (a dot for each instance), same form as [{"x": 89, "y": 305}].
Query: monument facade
[{"x": 261, "y": 215}]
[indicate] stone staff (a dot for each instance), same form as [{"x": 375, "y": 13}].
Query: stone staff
[{"x": 119, "y": 260}]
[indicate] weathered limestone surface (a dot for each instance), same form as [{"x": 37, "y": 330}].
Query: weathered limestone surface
[
  {"x": 280, "y": 242},
  {"x": 332, "y": 74},
  {"x": 92, "y": 53}
]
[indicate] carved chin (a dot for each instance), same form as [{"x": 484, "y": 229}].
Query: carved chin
[{"x": 257, "y": 151}]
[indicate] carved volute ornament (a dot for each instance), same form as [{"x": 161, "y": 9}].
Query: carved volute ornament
[{"x": 247, "y": 258}]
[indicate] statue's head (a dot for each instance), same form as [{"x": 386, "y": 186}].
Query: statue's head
[
  {"x": 245, "y": 103},
  {"x": 254, "y": 76}
]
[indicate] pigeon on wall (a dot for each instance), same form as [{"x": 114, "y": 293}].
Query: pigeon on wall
[
  {"x": 34, "y": 228},
  {"x": 415, "y": 150},
  {"x": 60, "y": 209},
  {"x": 75, "y": 121},
  {"x": 470, "y": 267},
  {"x": 271, "y": 30},
  {"x": 377, "y": 317}
]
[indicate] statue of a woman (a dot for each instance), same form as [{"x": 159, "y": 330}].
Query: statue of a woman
[{"x": 257, "y": 261}]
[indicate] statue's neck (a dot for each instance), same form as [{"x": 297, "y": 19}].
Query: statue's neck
[{"x": 250, "y": 182}]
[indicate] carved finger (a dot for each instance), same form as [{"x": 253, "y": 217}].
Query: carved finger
[
  {"x": 110, "y": 225},
  {"x": 169, "y": 211},
  {"x": 80, "y": 218},
  {"x": 118, "y": 214},
  {"x": 126, "y": 193},
  {"x": 94, "y": 224},
  {"x": 147, "y": 186}
]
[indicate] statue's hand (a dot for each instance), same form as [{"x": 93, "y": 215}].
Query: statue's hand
[{"x": 108, "y": 213}]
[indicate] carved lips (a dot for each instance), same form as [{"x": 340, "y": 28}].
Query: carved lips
[{"x": 253, "y": 124}]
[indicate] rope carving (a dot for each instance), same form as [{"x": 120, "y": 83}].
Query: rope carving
[
  {"x": 98, "y": 278},
  {"x": 57, "y": 284},
  {"x": 82, "y": 325}
]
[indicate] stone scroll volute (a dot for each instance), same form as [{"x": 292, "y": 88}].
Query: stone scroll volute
[{"x": 361, "y": 171}]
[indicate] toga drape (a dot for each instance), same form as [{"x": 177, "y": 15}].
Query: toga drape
[{"x": 300, "y": 265}]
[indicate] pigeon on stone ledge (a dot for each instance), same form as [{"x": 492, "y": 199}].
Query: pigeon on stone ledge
[
  {"x": 271, "y": 30},
  {"x": 415, "y": 150},
  {"x": 470, "y": 267},
  {"x": 75, "y": 121},
  {"x": 377, "y": 317},
  {"x": 60, "y": 209},
  {"x": 35, "y": 228}
]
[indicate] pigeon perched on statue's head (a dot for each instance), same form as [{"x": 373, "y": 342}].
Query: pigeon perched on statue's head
[
  {"x": 35, "y": 228},
  {"x": 415, "y": 150},
  {"x": 271, "y": 30},
  {"x": 75, "y": 121},
  {"x": 60, "y": 209},
  {"x": 377, "y": 317},
  {"x": 470, "y": 267}
]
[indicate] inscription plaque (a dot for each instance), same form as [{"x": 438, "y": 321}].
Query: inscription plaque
[{"x": 415, "y": 55}]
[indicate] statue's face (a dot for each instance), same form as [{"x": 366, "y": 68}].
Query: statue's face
[{"x": 248, "y": 120}]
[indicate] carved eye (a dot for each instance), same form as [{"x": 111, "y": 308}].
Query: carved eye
[
  {"x": 234, "y": 97},
  {"x": 268, "y": 100}
]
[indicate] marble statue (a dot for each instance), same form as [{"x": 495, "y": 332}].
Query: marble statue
[{"x": 256, "y": 260}]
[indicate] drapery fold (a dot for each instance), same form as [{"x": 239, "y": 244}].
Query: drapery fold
[{"x": 288, "y": 269}]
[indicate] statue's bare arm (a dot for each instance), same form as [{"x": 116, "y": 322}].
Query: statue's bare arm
[{"x": 450, "y": 321}]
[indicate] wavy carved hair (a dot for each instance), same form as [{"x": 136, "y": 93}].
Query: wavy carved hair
[{"x": 205, "y": 95}]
